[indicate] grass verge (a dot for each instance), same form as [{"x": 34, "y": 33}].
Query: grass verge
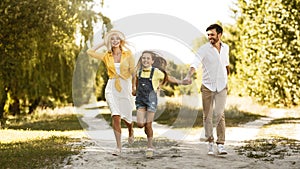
[
  {"x": 41, "y": 140},
  {"x": 289, "y": 120},
  {"x": 37, "y": 153},
  {"x": 270, "y": 149},
  {"x": 179, "y": 116},
  {"x": 59, "y": 122}
]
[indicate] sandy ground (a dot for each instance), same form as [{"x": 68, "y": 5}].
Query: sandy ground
[{"x": 175, "y": 149}]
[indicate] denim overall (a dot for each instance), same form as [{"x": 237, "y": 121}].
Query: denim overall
[{"x": 146, "y": 96}]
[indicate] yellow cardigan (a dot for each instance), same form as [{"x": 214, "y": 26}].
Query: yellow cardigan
[{"x": 126, "y": 66}]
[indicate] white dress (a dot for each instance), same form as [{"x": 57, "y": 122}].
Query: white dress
[{"x": 120, "y": 103}]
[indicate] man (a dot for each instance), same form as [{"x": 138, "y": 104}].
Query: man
[{"x": 214, "y": 57}]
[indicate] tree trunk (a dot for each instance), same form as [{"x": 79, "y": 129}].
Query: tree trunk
[
  {"x": 34, "y": 105},
  {"x": 2, "y": 102},
  {"x": 15, "y": 107}
]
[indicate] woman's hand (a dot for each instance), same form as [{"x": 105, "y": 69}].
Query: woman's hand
[{"x": 133, "y": 91}]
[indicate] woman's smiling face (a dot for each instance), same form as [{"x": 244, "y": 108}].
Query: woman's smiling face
[{"x": 115, "y": 40}]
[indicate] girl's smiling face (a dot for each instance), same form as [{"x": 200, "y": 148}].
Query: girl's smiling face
[{"x": 147, "y": 60}]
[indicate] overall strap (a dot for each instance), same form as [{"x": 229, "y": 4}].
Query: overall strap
[
  {"x": 152, "y": 72},
  {"x": 139, "y": 73}
]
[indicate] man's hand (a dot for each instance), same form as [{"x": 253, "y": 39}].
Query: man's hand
[{"x": 188, "y": 78}]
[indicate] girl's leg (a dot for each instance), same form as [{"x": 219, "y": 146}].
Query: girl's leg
[
  {"x": 130, "y": 131},
  {"x": 130, "y": 128},
  {"x": 140, "y": 117},
  {"x": 148, "y": 128},
  {"x": 116, "y": 124}
]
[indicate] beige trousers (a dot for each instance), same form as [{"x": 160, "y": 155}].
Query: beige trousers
[{"x": 214, "y": 102}]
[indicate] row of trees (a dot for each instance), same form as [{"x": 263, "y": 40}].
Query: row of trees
[
  {"x": 38, "y": 50},
  {"x": 265, "y": 51}
]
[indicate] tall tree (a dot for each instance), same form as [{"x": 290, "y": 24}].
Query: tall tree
[{"x": 268, "y": 52}]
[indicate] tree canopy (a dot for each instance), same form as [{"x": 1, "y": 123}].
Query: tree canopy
[
  {"x": 38, "y": 50},
  {"x": 266, "y": 47}
]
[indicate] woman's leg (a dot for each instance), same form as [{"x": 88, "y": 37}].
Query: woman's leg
[
  {"x": 116, "y": 124},
  {"x": 148, "y": 128}
]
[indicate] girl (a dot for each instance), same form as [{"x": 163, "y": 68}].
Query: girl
[{"x": 148, "y": 79}]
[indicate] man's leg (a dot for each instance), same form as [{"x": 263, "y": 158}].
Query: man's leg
[
  {"x": 220, "y": 102},
  {"x": 207, "y": 102}
]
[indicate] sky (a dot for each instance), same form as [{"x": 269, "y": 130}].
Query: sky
[{"x": 195, "y": 14}]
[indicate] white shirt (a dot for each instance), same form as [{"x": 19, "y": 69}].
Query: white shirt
[
  {"x": 213, "y": 65},
  {"x": 117, "y": 66}
]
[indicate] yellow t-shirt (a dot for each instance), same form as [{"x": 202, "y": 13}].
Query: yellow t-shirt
[{"x": 158, "y": 76}]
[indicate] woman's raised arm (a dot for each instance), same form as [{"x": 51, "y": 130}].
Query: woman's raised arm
[{"x": 92, "y": 51}]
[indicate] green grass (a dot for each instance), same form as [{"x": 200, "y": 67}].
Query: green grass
[
  {"x": 178, "y": 116},
  {"x": 63, "y": 122},
  {"x": 270, "y": 149},
  {"x": 40, "y": 140},
  {"x": 37, "y": 153},
  {"x": 288, "y": 120}
]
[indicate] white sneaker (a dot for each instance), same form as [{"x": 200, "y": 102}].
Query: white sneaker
[
  {"x": 117, "y": 152},
  {"x": 149, "y": 152},
  {"x": 210, "y": 148},
  {"x": 221, "y": 149}
]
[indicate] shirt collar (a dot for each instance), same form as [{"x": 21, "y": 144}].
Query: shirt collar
[
  {"x": 147, "y": 69},
  {"x": 221, "y": 43}
]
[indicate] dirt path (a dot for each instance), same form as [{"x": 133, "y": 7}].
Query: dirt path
[{"x": 175, "y": 149}]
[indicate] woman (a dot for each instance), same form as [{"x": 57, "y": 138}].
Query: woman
[{"x": 120, "y": 68}]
